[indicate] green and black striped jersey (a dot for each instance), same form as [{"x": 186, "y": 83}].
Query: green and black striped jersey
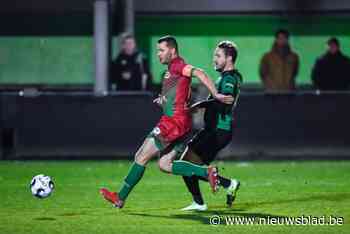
[{"x": 219, "y": 115}]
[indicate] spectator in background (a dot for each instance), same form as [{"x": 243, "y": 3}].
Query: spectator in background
[
  {"x": 130, "y": 70},
  {"x": 331, "y": 70},
  {"x": 279, "y": 67}
]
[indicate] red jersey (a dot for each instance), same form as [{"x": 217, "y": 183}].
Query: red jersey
[{"x": 176, "y": 88}]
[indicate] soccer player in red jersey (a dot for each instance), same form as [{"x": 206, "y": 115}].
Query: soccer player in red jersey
[{"x": 176, "y": 119}]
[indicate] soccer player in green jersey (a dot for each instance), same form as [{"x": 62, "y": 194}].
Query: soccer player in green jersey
[{"x": 216, "y": 134}]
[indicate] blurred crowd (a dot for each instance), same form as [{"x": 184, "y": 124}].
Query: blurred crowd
[{"x": 278, "y": 67}]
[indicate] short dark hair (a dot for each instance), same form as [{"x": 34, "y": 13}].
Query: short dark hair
[
  {"x": 333, "y": 40},
  {"x": 229, "y": 48},
  {"x": 171, "y": 42},
  {"x": 126, "y": 36},
  {"x": 282, "y": 31}
]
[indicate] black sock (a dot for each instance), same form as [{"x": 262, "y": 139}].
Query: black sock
[
  {"x": 224, "y": 182},
  {"x": 193, "y": 187}
]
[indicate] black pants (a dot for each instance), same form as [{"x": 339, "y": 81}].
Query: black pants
[{"x": 207, "y": 143}]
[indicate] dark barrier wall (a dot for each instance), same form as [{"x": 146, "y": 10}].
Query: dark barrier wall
[
  {"x": 81, "y": 125},
  {"x": 298, "y": 125},
  {"x": 78, "y": 125}
]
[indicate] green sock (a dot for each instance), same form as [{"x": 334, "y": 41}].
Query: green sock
[
  {"x": 134, "y": 176},
  {"x": 186, "y": 168}
]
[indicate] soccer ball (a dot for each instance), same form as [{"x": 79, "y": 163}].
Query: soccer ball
[{"x": 41, "y": 186}]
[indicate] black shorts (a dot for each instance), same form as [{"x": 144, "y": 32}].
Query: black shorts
[{"x": 207, "y": 143}]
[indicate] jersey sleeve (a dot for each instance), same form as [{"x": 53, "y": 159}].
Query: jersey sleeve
[
  {"x": 182, "y": 69},
  {"x": 229, "y": 83},
  {"x": 188, "y": 70}
]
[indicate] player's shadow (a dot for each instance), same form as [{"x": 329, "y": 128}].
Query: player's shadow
[
  {"x": 44, "y": 219},
  {"x": 71, "y": 214},
  {"x": 204, "y": 216},
  {"x": 241, "y": 210},
  {"x": 318, "y": 197},
  {"x": 66, "y": 214}
]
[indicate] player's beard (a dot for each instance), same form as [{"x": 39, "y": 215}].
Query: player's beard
[
  {"x": 168, "y": 58},
  {"x": 219, "y": 68}
]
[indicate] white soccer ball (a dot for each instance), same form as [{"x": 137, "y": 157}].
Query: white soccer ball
[{"x": 41, "y": 186}]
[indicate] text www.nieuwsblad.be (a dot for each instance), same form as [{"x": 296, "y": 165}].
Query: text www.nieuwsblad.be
[{"x": 272, "y": 220}]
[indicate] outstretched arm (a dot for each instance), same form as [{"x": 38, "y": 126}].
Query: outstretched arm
[{"x": 192, "y": 71}]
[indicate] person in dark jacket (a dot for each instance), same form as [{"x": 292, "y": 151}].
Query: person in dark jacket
[
  {"x": 331, "y": 70},
  {"x": 130, "y": 70}
]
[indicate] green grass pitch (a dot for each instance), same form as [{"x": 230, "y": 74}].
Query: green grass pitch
[{"x": 270, "y": 190}]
